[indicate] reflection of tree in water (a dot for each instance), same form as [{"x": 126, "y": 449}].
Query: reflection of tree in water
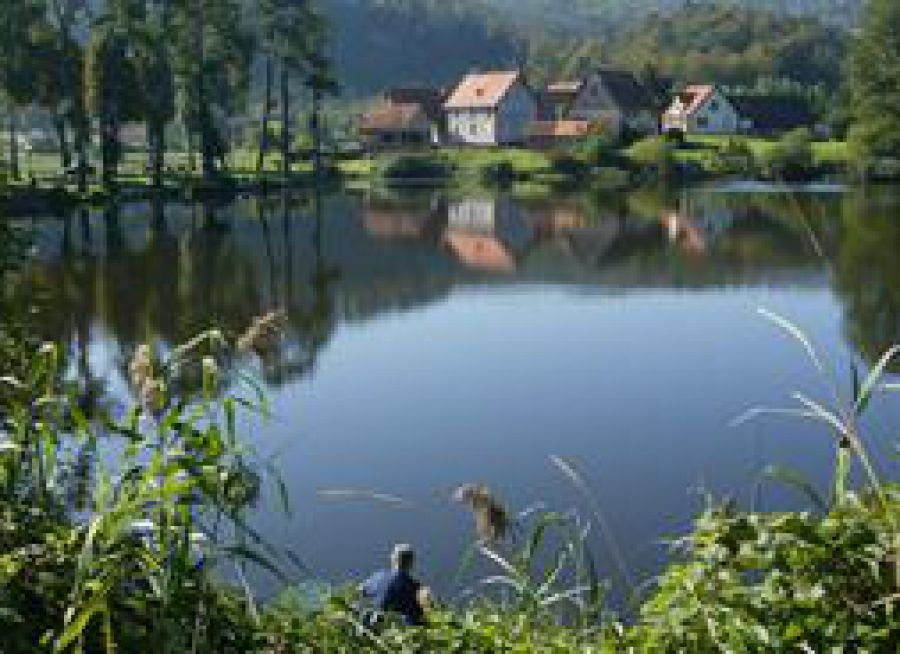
[
  {"x": 867, "y": 273},
  {"x": 310, "y": 311}
]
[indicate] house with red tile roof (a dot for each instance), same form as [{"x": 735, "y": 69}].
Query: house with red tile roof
[
  {"x": 702, "y": 109},
  {"x": 391, "y": 124},
  {"x": 492, "y": 108}
]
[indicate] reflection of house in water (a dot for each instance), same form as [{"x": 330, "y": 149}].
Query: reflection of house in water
[
  {"x": 397, "y": 221},
  {"x": 684, "y": 232},
  {"x": 486, "y": 233}
]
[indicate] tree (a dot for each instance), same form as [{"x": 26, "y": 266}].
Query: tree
[
  {"x": 155, "y": 79},
  {"x": 66, "y": 18},
  {"x": 290, "y": 33},
  {"x": 17, "y": 18},
  {"x": 111, "y": 84},
  {"x": 212, "y": 52},
  {"x": 875, "y": 82}
]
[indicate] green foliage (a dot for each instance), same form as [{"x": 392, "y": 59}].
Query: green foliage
[
  {"x": 655, "y": 153},
  {"x": 791, "y": 157},
  {"x": 158, "y": 519},
  {"x": 732, "y": 157},
  {"x": 875, "y": 83},
  {"x": 415, "y": 167}
]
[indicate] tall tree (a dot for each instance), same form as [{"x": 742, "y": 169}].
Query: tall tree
[
  {"x": 68, "y": 18},
  {"x": 18, "y": 17},
  {"x": 111, "y": 79},
  {"x": 155, "y": 78},
  {"x": 290, "y": 34},
  {"x": 875, "y": 82},
  {"x": 212, "y": 61}
]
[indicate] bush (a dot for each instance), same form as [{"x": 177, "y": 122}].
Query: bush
[
  {"x": 655, "y": 153},
  {"x": 568, "y": 165},
  {"x": 791, "y": 157},
  {"x": 501, "y": 173},
  {"x": 733, "y": 157},
  {"x": 416, "y": 167}
]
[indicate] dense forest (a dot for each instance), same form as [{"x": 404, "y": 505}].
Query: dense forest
[{"x": 749, "y": 43}]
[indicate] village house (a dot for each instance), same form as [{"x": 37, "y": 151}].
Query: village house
[
  {"x": 704, "y": 109},
  {"x": 404, "y": 117},
  {"x": 701, "y": 109},
  {"x": 554, "y": 133},
  {"x": 772, "y": 114},
  {"x": 613, "y": 99},
  {"x": 493, "y": 108}
]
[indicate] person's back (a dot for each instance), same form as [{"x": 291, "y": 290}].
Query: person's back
[{"x": 395, "y": 590}]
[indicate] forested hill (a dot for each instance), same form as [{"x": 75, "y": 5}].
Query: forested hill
[
  {"x": 377, "y": 43},
  {"x": 580, "y": 16}
]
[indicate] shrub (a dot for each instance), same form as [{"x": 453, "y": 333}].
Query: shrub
[
  {"x": 733, "y": 157},
  {"x": 568, "y": 165},
  {"x": 501, "y": 173},
  {"x": 791, "y": 157},
  {"x": 656, "y": 153},
  {"x": 416, "y": 167}
]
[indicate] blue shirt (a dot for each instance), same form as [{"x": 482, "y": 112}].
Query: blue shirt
[{"x": 395, "y": 591}]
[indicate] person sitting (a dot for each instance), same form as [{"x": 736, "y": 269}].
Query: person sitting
[{"x": 396, "y": 590}]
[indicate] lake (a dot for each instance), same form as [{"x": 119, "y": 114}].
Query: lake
[{"x": 438, "y": 338}]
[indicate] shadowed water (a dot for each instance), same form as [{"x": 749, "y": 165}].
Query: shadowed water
[{"x": 437, "y": 339}]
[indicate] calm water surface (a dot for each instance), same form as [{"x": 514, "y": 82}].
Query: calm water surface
[{"x": 438, "y": 339}]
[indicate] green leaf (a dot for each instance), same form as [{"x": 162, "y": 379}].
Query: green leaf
[{"x": 874, "y": 376}]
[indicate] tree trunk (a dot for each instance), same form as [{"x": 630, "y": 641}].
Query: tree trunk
[
  {"x": 317, "y": 133},
  {"x": 285, "y": 122},
  {"x": 14, "y": 144},
  {"x": 156, "y": 134},
  {"x": 267, "y": 108},
  {"x": 65, "y": 152},
  {"x": 203, "y": 115},
  {"x": 82, "y": 137}
]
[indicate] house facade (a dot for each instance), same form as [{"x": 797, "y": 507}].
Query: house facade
[
  {"x": 494, "y": 108},
  {"x": 390, "y": 125},
  {"x": 613, "y": 99},
  {"x": 701, "y": 109}
]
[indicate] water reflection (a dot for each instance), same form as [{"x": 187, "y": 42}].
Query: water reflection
[
  {"x": 172, "y": 270},
  {"x": 476, "y": 311}
]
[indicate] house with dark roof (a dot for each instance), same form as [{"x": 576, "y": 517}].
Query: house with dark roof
[
  {"x": 404, "y": 117},
  {"x": 492, "y": 108},
  {"x": 701, "y": 109},
  {"x": 771, "y": 114},
  {"x": 613, "y": 99},
  {"x": 705, "y": 109}
]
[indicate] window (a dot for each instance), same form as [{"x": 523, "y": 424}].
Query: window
[
  {"x": 714, "y": 105},
  {"x": 473, "y": 128},
  {"x": 703, "y": 122}
]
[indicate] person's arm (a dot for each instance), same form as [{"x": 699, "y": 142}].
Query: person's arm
[{"x": 368, "y": 588}]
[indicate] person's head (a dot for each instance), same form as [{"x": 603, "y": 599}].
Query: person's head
[{"x": 403, "y": 557}]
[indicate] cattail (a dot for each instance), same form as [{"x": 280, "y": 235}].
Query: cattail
[
  {"x": 140, "y": 369},
  {"x": 492, "y": 521},
  {"x": 263, "y": 333},
  {"x": 153, "y": 395}
]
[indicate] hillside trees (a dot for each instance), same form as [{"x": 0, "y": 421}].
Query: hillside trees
[{"x": 875, "y": 83}]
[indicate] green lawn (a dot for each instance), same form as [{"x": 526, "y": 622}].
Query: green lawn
[{"x": 698, "y": 146}]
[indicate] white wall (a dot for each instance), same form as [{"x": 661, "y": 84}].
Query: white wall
[
  {"x": 508, "y": 124},
  {"x": 471, "y": 126}
]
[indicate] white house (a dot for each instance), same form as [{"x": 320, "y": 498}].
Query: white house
[
  {"x": 494, "y": 108},
  {"x": 701, "y": 109}
]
